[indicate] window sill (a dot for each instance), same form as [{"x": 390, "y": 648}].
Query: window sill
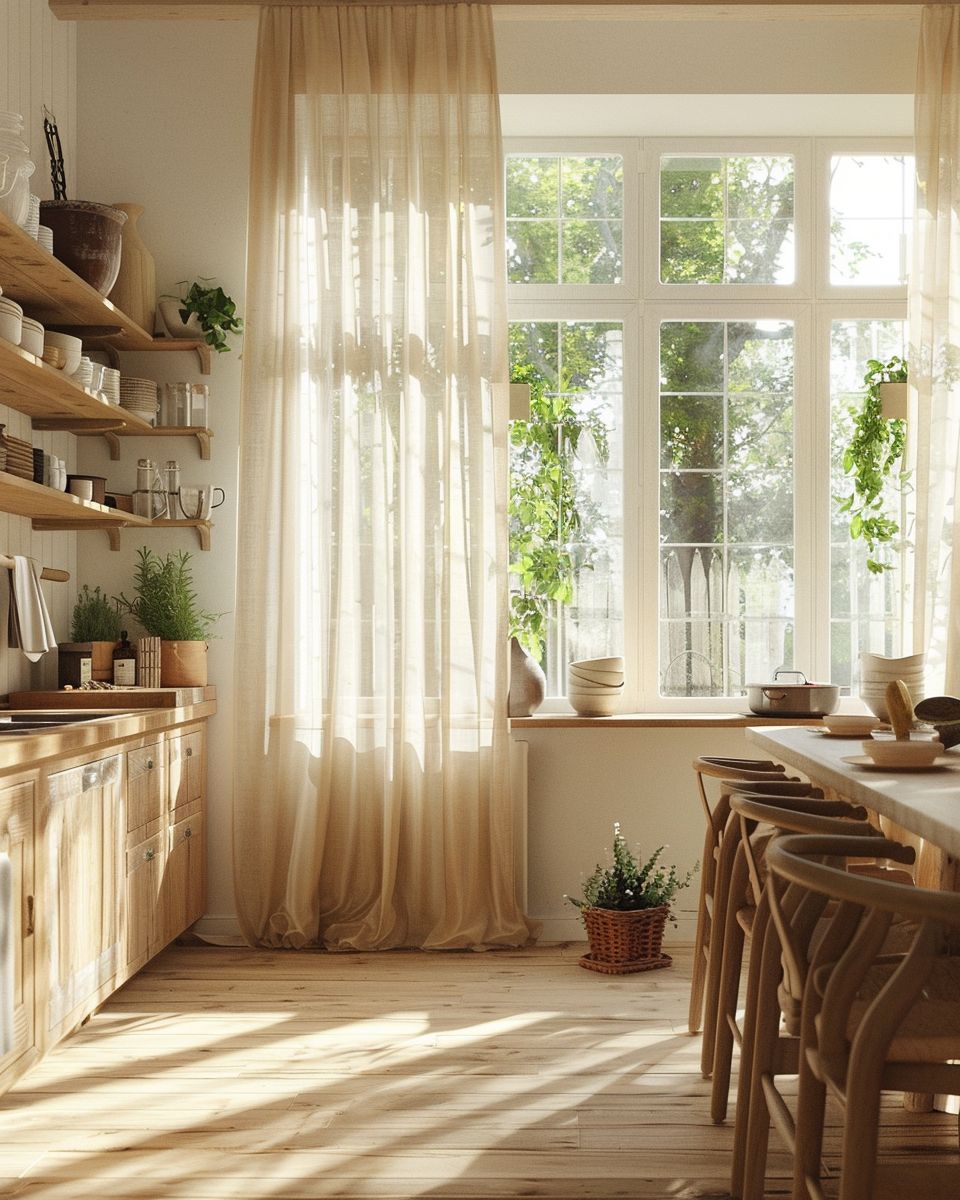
[{"x": 689, "y": 720}]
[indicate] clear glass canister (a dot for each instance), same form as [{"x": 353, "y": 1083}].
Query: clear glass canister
[{"x": 16, "y": 167}]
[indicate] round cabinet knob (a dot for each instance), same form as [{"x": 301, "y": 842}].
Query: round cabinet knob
[
  {"x": 189, "y": 752},
  {"x": 149, "y": 764},
  {"x": 148, "y": 854},
  {"x": 188, "y": 833}
]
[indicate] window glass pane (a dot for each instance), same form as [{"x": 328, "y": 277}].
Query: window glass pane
[
  {"x": 565, "y": 219},
  {"x": 726, "y": 583},
  {"x": 871, "y": 214},
  {"x": 864, "y": 606},
  {"x": 566, "y": 492},
  {"x": 727, "y": 219}
]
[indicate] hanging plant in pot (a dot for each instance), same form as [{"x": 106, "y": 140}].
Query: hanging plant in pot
[
  {"x": 873, "y": 458},
  {"x": 625, "y": 907},
  {"x": 165, "y": 605}
]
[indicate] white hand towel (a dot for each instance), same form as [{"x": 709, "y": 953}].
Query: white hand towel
[
  {"x": 30, "y": 626},
  {"x": 7, "y": 932}
]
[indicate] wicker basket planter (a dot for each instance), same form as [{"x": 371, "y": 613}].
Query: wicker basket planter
[{"x": 622, "y": 942}]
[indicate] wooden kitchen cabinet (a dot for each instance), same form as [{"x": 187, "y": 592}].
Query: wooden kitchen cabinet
[
  {"x": 186, "y": 767},
  {"x": 143, "y": 935},
  {"x": 84, "y": 889},
  {"x": 146, "y": 789},
  {"x": 182, "y": 890},
  {"x": 17, "y": 939}
]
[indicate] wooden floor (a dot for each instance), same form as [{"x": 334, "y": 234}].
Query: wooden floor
[{"x": 237, "y": 1074}]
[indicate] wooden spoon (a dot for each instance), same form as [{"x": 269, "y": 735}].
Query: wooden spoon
[{"x": 899, "y": 709}]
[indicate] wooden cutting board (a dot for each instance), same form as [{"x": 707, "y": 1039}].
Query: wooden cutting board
[{"x": 114, "y": 698}]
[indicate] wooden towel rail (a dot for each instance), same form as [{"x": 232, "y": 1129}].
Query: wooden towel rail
[{"x": 47, "y": 572}]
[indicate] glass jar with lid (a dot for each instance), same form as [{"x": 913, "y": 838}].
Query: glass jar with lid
[{"x": 16, "y": 167}]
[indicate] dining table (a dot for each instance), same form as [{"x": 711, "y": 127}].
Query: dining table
[{"x": 921, "y": 807}]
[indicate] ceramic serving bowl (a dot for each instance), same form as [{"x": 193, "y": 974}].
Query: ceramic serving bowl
[
  {"x": 71, "y": 346},
  {"x": 31, "y": 337},
  {"x": 606, "y": 678},
  {"x": 614, "y": 663},
  {"x": 915, "y": 752},
  {"x": 854, "y": 724},
  {"x": 11, "y": 320}
]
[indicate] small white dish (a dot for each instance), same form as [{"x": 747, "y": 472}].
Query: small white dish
[
  {"x": 71, "y": 346},
  {"x": 943, "y": 763},
  {"x": 895, "y": 754}
]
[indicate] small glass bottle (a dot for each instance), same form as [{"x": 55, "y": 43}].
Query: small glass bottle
[
  {"x": 124, "y": 663},
  {"x": 171, "y": 472}
]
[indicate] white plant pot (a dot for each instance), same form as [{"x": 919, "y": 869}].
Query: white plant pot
[{"x": 175, "y": 326}]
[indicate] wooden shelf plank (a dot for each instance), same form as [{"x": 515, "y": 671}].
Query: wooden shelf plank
[
  {"x": 112, "y": 436},
  {"x": 52, "y": 294},
  {"x": 25, "y": 498},
  {"x": 202, "y": 527},
  {"x": 44, "y": 393}
]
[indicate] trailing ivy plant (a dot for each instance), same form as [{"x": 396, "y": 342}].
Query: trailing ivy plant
[
  {"x": 872, "y": 457},
  {"x": 215, "y": 310},
  {"x": 556, "y": 530}
]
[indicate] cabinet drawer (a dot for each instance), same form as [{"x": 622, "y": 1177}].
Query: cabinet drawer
[
  {"x": 185, "y": 763},
  {"x": 145, "y": 799}
]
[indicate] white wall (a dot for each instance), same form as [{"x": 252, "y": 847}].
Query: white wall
[
  {"x": 37, "y": 67},
  {"x": 164, "y": 115}
]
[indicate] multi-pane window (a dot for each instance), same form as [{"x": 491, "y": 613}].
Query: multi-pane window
[
  {"x": 684, "y": 451},
  {"x": 871, "y": 213},
  {"x": 566, "y": 500},
  {"x": 863, "y": 604},
  {"x": 727, "y": 219},
  {"x": 565, "y": 219},
  {"x": 726, "y": 504}
]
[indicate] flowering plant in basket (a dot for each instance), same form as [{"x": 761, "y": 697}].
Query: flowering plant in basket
[{"x": 625, "y": 906}]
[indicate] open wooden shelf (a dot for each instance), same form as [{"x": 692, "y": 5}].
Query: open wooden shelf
[
  {"x": 52, "y": 294},
  {"x": 120, "y": 522},
  {"x": 113, "y": 436},
  {"x": 51, "y": 509},
  {"x": 53, "y": 401}
]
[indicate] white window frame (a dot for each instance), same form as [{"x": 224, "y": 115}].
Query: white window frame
[{"x": 641, "y": 302}]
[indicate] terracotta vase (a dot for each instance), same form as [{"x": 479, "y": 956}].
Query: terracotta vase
[
  {"x": 183, "y": 664},
  {"x": 135, "y": 292},
  {"x": 528, "y": 684}
]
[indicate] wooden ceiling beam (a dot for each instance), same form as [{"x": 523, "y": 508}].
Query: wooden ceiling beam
[{"x": 506, "y": 10}]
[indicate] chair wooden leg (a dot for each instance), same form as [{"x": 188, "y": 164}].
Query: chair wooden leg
[
  {"x": 766, "y": 1032},
  {"x": 699, "y": 977},
  {"x": 747, "y": 1049},
  {"x": 728, "y": 849},
  {"x": 727, "y": 994},
  {"x": 858, "y": 1163}
]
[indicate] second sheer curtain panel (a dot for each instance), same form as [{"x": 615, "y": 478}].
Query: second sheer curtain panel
[{"x": 373, "y": 791}]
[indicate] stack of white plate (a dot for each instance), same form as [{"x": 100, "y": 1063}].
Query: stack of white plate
[
  {"x": 595, "y": 685},
  {"x": 876, "y": 672},
  {"x": 139, "y": 396}
]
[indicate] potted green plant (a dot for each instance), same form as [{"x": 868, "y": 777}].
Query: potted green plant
[
  {"x": 166, "y": 606},
  {"x": 873, "y": 458},
  {"x": 201, "y": 312},
  {"x": 624, "y": 908},
  {"x": 94, "y": 630}
]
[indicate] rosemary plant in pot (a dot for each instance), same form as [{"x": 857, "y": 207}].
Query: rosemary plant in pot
[
  {"x": 625, "y": 907},
  {"x": 166, "y": 606},
  {"x": 873, "y": 458},
  {"x": 94, "y": 630}
]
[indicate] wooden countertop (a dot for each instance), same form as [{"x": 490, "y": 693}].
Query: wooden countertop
[
  {"x": 926, "y": 803},
  {"x": 20, "y": 752}
]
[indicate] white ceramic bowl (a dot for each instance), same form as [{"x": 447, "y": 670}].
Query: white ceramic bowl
[
  {"x": 879, "y": 661},
  {"x": 854, "y": 724},
  {"x": 600, "y": 664},
  {"x": 574, "y": 689},
  {"x": 595, "y": 706},
  {"x": 888, "y": 752},
  {"x": 71, "y": 346},
  {"x": 610, "y": 678},
  {"x": 31, "y": 337},
  {"x": 11, "y": 320}
]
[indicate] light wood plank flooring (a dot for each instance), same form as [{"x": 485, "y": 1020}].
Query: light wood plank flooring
[{"x": 222, "y": 1074}]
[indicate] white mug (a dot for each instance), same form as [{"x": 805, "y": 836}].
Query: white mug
[{"x": 81, "y": 488}]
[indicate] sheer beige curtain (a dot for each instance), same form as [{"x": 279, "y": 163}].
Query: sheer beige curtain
[
  {"x": 933, "y": 447},
  {"x": 373, "y": 805}
]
